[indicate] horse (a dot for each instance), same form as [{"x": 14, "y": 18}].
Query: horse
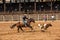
[
  {"x": 20, "y": 24},
  {"x": 44, "y": 26}
]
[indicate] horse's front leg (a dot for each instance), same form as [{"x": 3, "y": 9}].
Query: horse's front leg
[
  {"x": 21, "y": 29},
  {"x": 31, "y": 28}
]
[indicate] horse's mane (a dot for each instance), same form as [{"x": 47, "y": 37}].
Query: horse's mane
[{"x": 32, "y": 18}]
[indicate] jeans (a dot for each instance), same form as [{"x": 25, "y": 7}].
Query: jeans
[{"x": 25, "y": 22}]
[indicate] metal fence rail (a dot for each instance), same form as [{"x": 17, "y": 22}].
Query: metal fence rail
[{"x": 37, "y": 17}]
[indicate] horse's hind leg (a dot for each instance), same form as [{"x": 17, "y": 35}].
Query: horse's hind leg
[{"x": 18, "y": 30}]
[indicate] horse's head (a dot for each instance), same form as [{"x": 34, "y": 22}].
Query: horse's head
[
  {"x": 32, "y": 20},
  {"x": 50, "y": 24}
]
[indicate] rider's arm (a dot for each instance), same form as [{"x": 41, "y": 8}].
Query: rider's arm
[{"x": 26, "y": 18}]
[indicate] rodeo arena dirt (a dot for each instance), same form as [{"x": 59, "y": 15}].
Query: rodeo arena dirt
[
  {"x": 52, "y": 33},
  {"x": 43, "y": 15}
]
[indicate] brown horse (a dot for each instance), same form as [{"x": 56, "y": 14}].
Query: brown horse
[{"x": 20, "y": 24}]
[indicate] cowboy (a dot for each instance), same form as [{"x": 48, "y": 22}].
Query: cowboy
[{"x": 25, "y": 20}]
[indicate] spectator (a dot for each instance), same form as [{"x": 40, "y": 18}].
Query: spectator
[
  {"x": 45, "y": 17},
  {"x": 53, "y": 17}
]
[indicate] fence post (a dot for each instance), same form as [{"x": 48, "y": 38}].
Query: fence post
[
  {"x": 29, "y": 16},
  {"x": 12, "y": 17},
  {"x": 38, "y": 17},
  {"x": 56, "y": 16},
  {"x": 19, "y": 17},
  {"x": 47, "y": 17},
  {"x": 3, "y": 18}
]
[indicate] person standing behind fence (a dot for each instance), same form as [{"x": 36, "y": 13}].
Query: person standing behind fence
[
  {"x": 53, "y": 18},
  {"x": 45, "y": 18}
]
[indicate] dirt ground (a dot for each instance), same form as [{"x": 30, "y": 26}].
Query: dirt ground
[{"x": 52, "y": 33}]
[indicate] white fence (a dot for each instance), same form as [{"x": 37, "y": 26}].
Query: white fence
[{"x": 37, "y": 17}]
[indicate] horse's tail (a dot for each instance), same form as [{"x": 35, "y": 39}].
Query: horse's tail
[{"x": 13, "y": 25}]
